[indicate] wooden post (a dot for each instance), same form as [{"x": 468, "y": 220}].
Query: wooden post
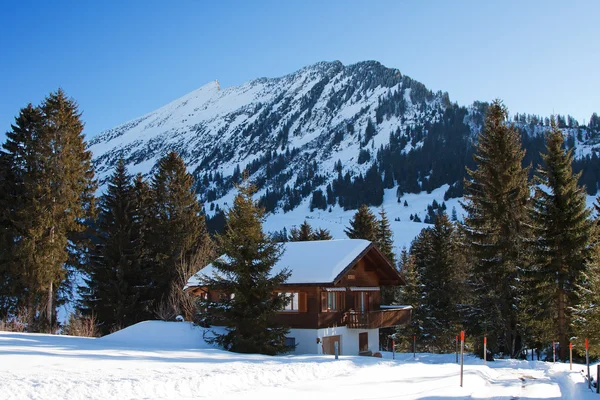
[
  {"x": 462, "y": 355},
  {"x": 457, "y": 349},
  {"x": 414, "y": 346},
  {"x": 553, "y": 352},
  {"x": 587, "y": 361},
  {"x": 336, "y": 349},
  {"x": 570, "y": 356},
  {"x": 393, "y": 349},
  {"x": 484, "y": 349},
  {"x": 598, "y": 378},
  {"x": 532, "y": 354}
]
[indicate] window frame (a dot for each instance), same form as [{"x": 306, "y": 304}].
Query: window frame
[{"x": 295, "y": 298}]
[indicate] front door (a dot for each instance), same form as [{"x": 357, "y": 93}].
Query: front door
[
  {"x": 329, "y": 344},
  {"x": 363, "y": 341},
  {"x": 361, "y": 302}
]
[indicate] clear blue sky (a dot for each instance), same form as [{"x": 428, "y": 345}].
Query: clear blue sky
[{"x": 121, "y": 59}]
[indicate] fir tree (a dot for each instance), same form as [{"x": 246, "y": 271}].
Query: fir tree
[
  {"x": 114, "y": 288},
  {"x": 54, "y": 180},
  {"x": 384, "y": 237},
  {"x": 9, "y": 275},
  {"x": 411, "y": 295},
  {"x": 322, "y": 234},
  {"x": 586, "y": 314},
  {"x": 363, "y": 225},
  {"x": 495, "y": 227},
  {"x": 305, "y": 233},
  {"x": 442, "y": 271},
  {"x": 245, "y": 276},
  {"x": 565, "y": 233},
  {"x": 176, "y": 224}
]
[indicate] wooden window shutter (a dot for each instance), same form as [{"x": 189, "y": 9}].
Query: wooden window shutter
[
  {"x": 323, "y": 301},
  {"x": 302, "y": 302}
]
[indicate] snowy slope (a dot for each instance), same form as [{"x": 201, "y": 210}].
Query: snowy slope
[
  {"x": 37, "y": 366},
  {"x": 282, "y": 128}
]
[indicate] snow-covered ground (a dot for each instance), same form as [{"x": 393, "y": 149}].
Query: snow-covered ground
[{"x": 170, "y": 360}]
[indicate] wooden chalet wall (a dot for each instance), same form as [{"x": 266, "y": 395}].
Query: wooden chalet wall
[{"x": 366, "y": 272}]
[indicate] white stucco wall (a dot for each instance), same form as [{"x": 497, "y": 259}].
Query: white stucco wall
[{"x": 306, "y": 339}]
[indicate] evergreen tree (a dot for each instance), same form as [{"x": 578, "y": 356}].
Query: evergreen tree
[
  {"x": 9, "y": 276},
  {"x": 565, "y": 234},
  {"x": 244, "y": 275},
  {"x": 363, "y": 225},
  {"x": 410, "y": 295},
  {"x": 115, "y": 283},
  {"x": 442, "y": 271},
  {"x": 305, "y": 232},
  {"x": 322, "y": 234},
  {"x": 54, "y": 186},
  {"x": 495, "y": 227},
  {"x": 384, "y": 237},
  {"x": 586, "y": 314},
  {"x": 176, "y": 224}
]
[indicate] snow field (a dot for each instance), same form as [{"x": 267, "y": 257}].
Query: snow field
[{"x": 159, "y": 360}]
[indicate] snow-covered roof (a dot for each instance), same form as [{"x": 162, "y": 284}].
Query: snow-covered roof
[{"x": 318, "y": 261}]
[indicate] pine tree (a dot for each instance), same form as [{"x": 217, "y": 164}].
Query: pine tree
[
  {"x": 322, "y": 234},
  {"x": 410, "y": 295},
  {"x": 305, "y": 232},
  {"x": 9, "y": 277},
  {"x": 363, "y": 225},
  {"x": 245, "y": 277},
  {"x": 565, "y": 233},
  {"x": 586, "y": 314},
  {"x": 384, "y": 237},
  {"x": 442, "y": 271},
  {"x": 114, "y": 288},
  {"x": 176, "y": 225},
  {"x": 495, "y": 228},
  {"x": 54, "y": 180},
  {"x": 454, "y": 217}
]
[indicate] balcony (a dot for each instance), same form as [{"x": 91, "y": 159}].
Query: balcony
[{"x": 387, "y": 316}]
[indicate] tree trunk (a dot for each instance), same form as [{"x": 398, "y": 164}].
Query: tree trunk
[
  {"x": 49, "y": 309},
  {"x": 562, "y": 331}
]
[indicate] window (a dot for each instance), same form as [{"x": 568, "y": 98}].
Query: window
[
  {"x": 292, "y": 301},
  {"x": 290, "y": 341},
  {"x": 332, "y": 301}
]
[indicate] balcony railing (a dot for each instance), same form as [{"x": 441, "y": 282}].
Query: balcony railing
[{"x": 383, "y": 318}]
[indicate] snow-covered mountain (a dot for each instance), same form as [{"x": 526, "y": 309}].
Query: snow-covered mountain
[
  {"x": 216, "y": 129},
  {"x": 317, "y": 143}
]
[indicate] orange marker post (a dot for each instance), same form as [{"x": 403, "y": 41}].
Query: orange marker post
[
  {"x": 570, "y": 356},
  {"x": 587, "y": 361},
  {"x": 484, "y": 349}
]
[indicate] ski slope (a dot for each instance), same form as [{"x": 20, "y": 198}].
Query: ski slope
[{"x": 159, "y": 360}]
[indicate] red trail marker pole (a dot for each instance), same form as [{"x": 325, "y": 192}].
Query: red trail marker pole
[
  {"x": 587, "y": 361},
  {"x": 570, "y": 356},
  {"x": 484, "y": 349}
]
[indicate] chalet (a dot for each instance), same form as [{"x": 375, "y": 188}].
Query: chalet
[{"x": 335, "y": 295}]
